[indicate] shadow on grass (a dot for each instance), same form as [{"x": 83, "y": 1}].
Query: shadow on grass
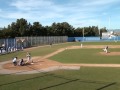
[
  {"x": 106, "y": 86},
  {"x": 59, "y": 84},
  {"x": 24, "y": 80},
  {"x": 68, "y": 80}
]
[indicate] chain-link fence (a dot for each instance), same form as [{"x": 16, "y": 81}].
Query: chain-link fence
[
  {"x": 43, "y": 40},
  {"x": 18, "y": 43}
]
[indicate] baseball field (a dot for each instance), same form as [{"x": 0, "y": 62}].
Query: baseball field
[{"x": 66, "y": 66}]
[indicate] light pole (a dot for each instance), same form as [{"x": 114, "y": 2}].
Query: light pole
[{"x": 83, "y": 33}]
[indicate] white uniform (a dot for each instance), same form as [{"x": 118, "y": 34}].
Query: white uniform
[
  {"x": 106, "y": 49},
  {"x": 14, "y": 61},
  {"x": 81, "y": 45},
  {"x": 28, "y": 58}
]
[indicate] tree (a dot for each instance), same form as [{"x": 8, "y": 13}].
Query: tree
[
  {"x": 62, "y": 29},
  {"x": 1, "y": 34},
  {"x": 36, "y": 29},
  {"x": 78, "y": 32},
  {"x": 22, "y": 28}
]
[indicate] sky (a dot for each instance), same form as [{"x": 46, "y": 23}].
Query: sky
[{"x": 78, "y": 13}]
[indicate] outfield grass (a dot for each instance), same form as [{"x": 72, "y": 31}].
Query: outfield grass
[
  {"x": 87, "y": 78},
  {"x": 83, "y": 79},
  {"x": 101, "y": 43}
]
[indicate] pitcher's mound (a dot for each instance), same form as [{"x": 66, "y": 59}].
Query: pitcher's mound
[{"x": 110, "y": 53}]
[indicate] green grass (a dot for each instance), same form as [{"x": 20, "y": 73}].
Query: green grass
[
  {"x": 39, "y": 51},
  {"x": 83, "y": 79},
  {"x": 102, "y": 43},
  {"x": 92, "y": 78},
  {"x": 86, "y": 56}
]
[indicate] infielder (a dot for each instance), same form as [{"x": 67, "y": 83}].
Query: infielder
[{"x": 106, "y": 49}]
